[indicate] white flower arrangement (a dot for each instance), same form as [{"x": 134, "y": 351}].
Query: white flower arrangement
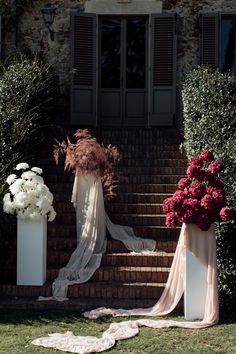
[{"x": 28, "y": 196}]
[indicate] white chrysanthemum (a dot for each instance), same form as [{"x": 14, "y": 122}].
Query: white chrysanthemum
[
  {"x": 29, "y": 185},
  {"x": 38, "y": 179},
  {"x": 49, "y": 196},
  {"x": 32, "y": 197},
  {"x": 44, "y": 204},
  {"x": 8, "y": 205},
  {"x": 7, "y": 198},
  {"x": 28, "y": 175},
  {"x": 22, "y": 166},
  {"x": 52, "y": 214},
  {"x": 11, "y": 179},
  {"x": 42, "y": 189},
  {"x": 16, "y": 186},
  {"x": 21, "y": 200},
  {"x": 37, "y": 170}
]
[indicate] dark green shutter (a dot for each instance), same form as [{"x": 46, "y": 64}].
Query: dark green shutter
[
  {"x": 163, "y": 70},
  {"x": 83, "y": 64},
  {"x": 209, "y": 39},
  {"x": 0, "y": 36}
]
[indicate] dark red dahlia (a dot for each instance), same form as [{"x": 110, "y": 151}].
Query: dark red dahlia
[
  {"x": 193, "y": 171},
  {"x": 203, "y": 221},
  {"x": 192, "y": 203},
  {"x": 195, "y": 161},
  {"x": 215, "y": 167},
  {"x": 206, "y": 156},
  {"x": 227, "y": 213},
  {"x": 197, "y": 190},
  {"x": 188, "y": 216},
  {"x": 208, "y": 203},
  {"x": 172, "y": 220},
  {"x": 183, "y": 183},
  {"x": 167, "y": 205},
  {"x": 219, "y": 196}
]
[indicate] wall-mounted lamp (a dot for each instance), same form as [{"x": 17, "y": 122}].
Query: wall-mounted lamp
[{"x": 48, "y": 13}]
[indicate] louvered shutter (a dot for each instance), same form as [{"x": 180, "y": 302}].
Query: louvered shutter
[
  {"x": 83, "y": 64},
  {"x": 163, "y": 70},
  {"x": 209, "y": 39},
  {"x": 0, "y": 36}
]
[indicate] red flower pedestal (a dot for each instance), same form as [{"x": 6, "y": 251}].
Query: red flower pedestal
[{"x": 197, "y": 244}]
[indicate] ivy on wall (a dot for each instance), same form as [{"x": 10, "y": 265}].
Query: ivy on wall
[{"x": 10, "y": 9}]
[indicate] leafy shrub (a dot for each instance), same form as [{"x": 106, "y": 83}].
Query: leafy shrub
[
  {"x": 209, "y": 108},
  {"x": 26, "y": 88}
]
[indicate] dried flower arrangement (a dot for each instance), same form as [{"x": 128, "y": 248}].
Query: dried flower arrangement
[
  {"x": 86, "y": 156},
  {"x": 200, "y": 198}
]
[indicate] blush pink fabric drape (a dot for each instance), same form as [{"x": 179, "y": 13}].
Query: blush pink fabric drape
[{"x": 205, "y": 248}]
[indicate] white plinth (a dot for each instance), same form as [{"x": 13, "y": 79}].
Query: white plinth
[
  {"x": 196, "y": 288},
  {"x": 31, "y": 252}
]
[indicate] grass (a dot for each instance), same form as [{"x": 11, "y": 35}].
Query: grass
[{"x": 18, "y": 329}]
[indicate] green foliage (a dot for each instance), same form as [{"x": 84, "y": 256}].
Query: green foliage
[
  {"x": 209, "y": 104},
  {"x": 26, "y": 91},
  {"x": 10, "y": 10}
]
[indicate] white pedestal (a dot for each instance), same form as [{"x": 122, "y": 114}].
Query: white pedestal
[
  {"x": 31, "y": 252},
  {"x": 195, "y": 279}
]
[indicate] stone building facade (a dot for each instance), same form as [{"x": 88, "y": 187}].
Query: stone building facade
[{"x": 29, "y": 32}]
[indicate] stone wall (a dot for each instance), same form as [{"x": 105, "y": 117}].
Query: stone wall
[{"x": 32, "y": 33}]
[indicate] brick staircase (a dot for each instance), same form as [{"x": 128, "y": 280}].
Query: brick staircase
[{"x": 150, "y": 169}]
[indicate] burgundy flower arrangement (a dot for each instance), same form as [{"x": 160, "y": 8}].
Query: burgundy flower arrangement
[
  {"x": 200, "y": 198},
  {"x": 85, "y": 155}
]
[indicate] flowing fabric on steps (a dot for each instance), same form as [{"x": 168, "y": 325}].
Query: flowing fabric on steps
[
  {"x": 205, "y": 249},
  {"x": 91, "y": 223}
]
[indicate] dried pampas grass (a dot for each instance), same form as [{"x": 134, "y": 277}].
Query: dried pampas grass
[{"x": 86, "y": 156}]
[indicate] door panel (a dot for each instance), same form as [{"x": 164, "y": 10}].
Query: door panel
[
  {"x": 135, "y": 108},
  {"x": 136, "y": 53},
  {"x": 123, "y": 77},
  {"x": 110, "y": 107}
]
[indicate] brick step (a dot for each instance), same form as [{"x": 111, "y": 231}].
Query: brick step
[
  {"x": 131, "y": 171},
  {"x": 62, "y": 191},
  {"x": 164, "y": 176},
  {"x": 141, "y": 208},
  {"x": 147, "y": 188},
  {"x": 151, "y": 179},
  {"x": 159, "y": 259},
  {"x": 69, "y": 244},
  {"x": 119, "y": 208},
  {"x": 151, "y": 161},
  {"x": 94, "y": 290},
  {"x": 157, "y": 198},
  {"x": 139, "y": 274},
  {"x": 138, "y": 220},
  {"x": 156, "y": 161},
  {"x": 155, "y": 231}
]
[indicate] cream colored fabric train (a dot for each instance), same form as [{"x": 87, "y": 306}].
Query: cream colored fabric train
[
  {"x": 205, "y": 249},
  {"x": 91, "y": 223}
]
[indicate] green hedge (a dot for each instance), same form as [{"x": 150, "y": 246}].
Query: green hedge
[
  {"x": 26, "y": 90},
  {"x": 209, "y": 112}
]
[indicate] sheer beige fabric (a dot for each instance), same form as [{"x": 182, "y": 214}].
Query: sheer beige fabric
[
  {"x": 171, "y": 295},
  {"x": 91, "y": 223}
]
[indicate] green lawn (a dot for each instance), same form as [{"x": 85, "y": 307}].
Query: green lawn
[{"x": 18, "y": 329}]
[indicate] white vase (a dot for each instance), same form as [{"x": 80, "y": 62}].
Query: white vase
[
  {"x": 196, "y": 272},
  {"x": 31, "y": 251}
]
